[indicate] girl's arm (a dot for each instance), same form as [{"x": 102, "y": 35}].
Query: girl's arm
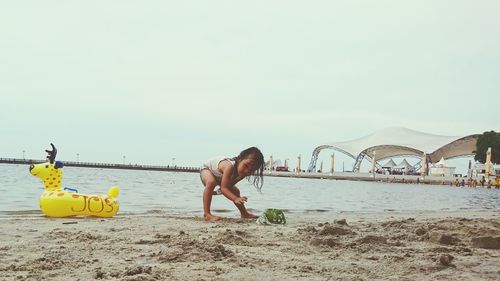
[{"x": 226, "y": 183}]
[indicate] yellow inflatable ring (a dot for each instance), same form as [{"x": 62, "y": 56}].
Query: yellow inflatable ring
[
  {"x": 56, "y": 202},
  {"x": 61, "y": 203}
]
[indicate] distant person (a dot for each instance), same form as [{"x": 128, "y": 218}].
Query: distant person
[{"x": 226, "y": 172}]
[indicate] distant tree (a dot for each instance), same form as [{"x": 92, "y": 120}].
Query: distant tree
[{"x": 488, "y": 139}]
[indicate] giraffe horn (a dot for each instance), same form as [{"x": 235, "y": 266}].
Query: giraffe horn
[{"x": 52, "y": 154}]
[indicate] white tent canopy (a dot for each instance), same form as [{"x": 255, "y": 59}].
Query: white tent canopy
[
  {"x": 401, "y": 142},
  {"x": 395, "y": 141},
  {"x": 389, "y": 165},
  {"x": 404, "y": 165},
  {"x": 441, "y": 163}
]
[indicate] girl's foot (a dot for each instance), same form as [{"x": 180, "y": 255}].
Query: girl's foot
[
  {"x": 210, "y": 217},
  {"x": 248, "y": 216}
]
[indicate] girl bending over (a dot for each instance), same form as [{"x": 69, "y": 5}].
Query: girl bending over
[{"x": 226, "y": 172}]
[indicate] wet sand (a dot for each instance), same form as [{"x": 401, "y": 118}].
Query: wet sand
[{"x": 316, "y": 246}]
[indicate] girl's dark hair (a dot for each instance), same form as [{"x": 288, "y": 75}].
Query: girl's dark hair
[{"x": 257, "y": 179}]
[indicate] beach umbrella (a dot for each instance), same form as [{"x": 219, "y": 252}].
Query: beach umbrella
[
  {"x": 373, "y": 163},
  {"x": 488, "y": 162},
  {"x": 424, "y": 165},
  {"x": 298, "y": 164},
  {"x": 333, "y": 162}
]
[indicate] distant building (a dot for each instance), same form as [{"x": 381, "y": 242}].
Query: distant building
[
  {"x": 441, "y": 169},
  {"x": 479, "y": 169},
  {"x": 276, "y": 166}
]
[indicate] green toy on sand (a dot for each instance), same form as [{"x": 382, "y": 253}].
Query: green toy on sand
[{"x": 272, "y": 216}]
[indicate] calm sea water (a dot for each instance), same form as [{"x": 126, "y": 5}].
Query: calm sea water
[{"x": 143, "y": 191}]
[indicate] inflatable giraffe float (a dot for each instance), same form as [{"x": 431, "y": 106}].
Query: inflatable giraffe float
[{"x": 57, "y": 202}]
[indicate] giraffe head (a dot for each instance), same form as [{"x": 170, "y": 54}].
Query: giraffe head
[{"x": 49, "y": 172}]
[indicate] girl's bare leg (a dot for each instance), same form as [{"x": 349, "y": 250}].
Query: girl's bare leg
[
  {"x": 210, "y": 183},
  {"x": 241, "y": 207}
]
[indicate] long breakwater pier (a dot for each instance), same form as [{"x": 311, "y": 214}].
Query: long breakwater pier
[
  {"x": 327, "y": 176},
  {"x": 105, "y": 165}
]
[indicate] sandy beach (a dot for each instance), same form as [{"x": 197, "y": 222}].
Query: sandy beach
[{"x": 316, "y": 246}]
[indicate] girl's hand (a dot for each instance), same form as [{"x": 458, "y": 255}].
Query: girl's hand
[{"x": 240, "y": 200}]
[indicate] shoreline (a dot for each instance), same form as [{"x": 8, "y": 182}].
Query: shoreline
[
  {"x": 316, "y": 214},
  {"x": 407, "y": 179},
  {"x": 458, "y": 245}
]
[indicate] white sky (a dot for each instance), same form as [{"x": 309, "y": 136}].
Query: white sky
[{"x": 154, "y": 80}]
